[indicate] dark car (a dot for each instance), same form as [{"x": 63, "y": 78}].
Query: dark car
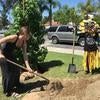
[{"x": 65, "y": 33}]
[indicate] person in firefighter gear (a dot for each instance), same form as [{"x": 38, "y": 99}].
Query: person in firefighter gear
[{"x": 91, "y": 53}]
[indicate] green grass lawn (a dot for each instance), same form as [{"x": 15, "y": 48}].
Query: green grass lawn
[{"x": 57, "y": 64}]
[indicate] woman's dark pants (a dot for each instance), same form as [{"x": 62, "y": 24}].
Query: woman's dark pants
[{"x": 10, "y": 76}]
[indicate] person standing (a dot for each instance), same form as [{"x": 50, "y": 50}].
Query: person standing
[{"x": 91, "y": 52}]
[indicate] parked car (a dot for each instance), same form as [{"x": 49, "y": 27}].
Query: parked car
[{"x": 64, "y": 33}]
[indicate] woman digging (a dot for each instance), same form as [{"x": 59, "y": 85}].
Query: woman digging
[{"x": 10, "y": 72}]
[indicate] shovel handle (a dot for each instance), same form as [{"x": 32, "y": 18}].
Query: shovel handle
[{"x": 37, "y": 74}]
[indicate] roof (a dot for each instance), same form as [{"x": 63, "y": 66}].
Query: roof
[{"x": 54, "y": 23}]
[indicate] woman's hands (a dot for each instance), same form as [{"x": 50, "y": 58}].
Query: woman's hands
[
  {"x": 29, "y": 69},
  {"x": 25, "y": 76}
]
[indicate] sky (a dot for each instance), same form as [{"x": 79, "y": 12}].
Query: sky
[{"x": 70, "y": 3}]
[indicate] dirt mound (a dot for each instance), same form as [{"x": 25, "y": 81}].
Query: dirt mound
[
  {"x": 69, "y": 89},
  {"x": 93, "y": 91},
  {"x": 32, "y": 96},
  {"x": 54, "y": 87}
]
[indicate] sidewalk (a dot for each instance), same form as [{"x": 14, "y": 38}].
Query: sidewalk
[{"x": 64, "y": 50}]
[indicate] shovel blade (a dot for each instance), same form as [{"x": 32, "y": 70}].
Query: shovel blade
[{"x": 72, "y": 68}]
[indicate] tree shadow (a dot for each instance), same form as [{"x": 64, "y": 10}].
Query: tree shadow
[
  {"x": 28, "y": 87},
  {"x": 43, "y": 67}
]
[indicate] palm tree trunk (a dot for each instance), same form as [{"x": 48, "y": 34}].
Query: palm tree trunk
[{"x": 50, "y": 15}]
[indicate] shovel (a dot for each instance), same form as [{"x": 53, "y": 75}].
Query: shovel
[
  {"x": 72, "y": 66},
  {"x": 37, "y": 74}
]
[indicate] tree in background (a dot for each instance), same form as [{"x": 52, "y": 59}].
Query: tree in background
[
  {"x": 86, "y": 8},
  {"x": 52, "y": 4},
  {"x": 66, "y": 15},
  {"x": 6, "y": 6},
  {"x": 61, "y": 13},
  {"x": 28, "y": 13},
  {"x": 45, "y": 19},
  {"x": 48, "y": 5},
  {"x": 97, "y": 14},
  {"x": 90, "y": 7},
  {"x": 97, "y": 19},
  {"x": 98, "y": 6}
]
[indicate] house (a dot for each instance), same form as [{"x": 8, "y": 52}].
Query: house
[{"x": 54, "y": 23}]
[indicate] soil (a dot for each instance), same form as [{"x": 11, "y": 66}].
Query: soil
[{"x": 87, "y": 88}]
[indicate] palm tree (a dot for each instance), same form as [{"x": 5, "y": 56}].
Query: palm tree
[
  {"x": 48, "y": 5},
  {"x": 6, "y": 7},
  {"x": 52, "y": 4},
  {"x": 42, "y": 5}
]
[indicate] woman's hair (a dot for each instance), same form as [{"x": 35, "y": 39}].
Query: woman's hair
[{"x": 24, "y": 30}]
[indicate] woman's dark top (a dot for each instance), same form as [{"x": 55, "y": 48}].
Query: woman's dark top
[{"x": 8, "y": 50}]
